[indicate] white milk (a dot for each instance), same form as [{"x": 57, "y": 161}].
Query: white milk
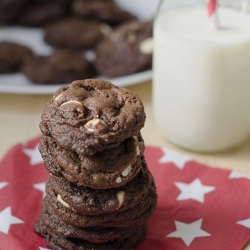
[{"x": 201, "y": 79}]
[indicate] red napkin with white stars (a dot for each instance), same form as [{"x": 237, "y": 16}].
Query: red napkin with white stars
[{"x": 199, "y": 208}]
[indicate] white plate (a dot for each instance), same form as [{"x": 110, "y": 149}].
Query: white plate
[
  {"x": 33, "y": 38},
  {"x": 19, "y": 84}
]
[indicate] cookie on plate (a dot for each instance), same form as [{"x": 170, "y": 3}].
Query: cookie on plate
[
  {"x": 86, "y": 201},
  {"x": 106, "y": 11},
  {"x": 58, "y": 242},
  {"x": 73, "y": 33},
  {"x": 9, "y": 9},
  {"x": 60, "y": 67},
  {"x": 13, "y": 56},
  {"x": 134, "y": 216},
  {"x": 126, "y": 51},
  {"x": 42, "y": 13},
  {"x": 109, "y": 168}
]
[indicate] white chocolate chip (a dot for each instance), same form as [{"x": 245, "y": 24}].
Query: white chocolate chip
[
  {"x": 69, "y": 102},
  {"x": 94, "y": 124},
  {"x": 72, "y": 108},
  {"x": 131, "y": 38},
  {"x": 146, "y": 46},
  {"x": 59, "y": 198},
  {"x": 58, "y": 97},
  {"x": 135, "y": 137},
  {"x": 119, "y": 180},
  {"x": 120, "y": 198},
  {"x": 138, "y": 150},
  {"x": 126, "y": 171},
  {"x": 105, "y": 29}
]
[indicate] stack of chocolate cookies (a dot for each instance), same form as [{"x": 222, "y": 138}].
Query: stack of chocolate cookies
[{"x": 100, "y": 192}]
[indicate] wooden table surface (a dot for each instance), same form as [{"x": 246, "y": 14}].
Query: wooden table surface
[{"x": 20, "y": 117}]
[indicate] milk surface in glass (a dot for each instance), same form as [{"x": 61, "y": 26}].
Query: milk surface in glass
[{"x": 201, "y": 81}]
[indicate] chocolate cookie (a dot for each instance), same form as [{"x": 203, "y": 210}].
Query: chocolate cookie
[
  {"x": 106, "y": 11},
  {"x": 61, "y": 67},
  {"x": 126, "y": 51},
  {"x": 13, "y": 56},
  {"x": 92, "y": 234},
  {"x": 9, "y": 10},
  {"x": 90, "y": 115},
  {"x": 135, "y": 216},
  {"x": 42, "y": 13},
  {"x": 109, "y": 168},
  {"x": 73, "y": 33},
  {"x": 88, "y": 201},
  {"x": 56, "y": 242}
]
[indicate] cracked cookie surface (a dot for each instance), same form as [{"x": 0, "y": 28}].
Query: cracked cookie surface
[
  {"x": 126, "y": 51},
  {"x": 73, "y": 33},
  {"x": 91, "y": 115},
  {"x": 13, "y": 56},
  {"x": 62, "y": 66}
]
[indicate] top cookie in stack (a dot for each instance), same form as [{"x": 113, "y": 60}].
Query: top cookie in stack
[
  {"x": 91, "y": 115},
  {"x": 100, "y": 192}
]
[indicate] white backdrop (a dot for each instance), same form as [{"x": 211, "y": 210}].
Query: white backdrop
[{"x": 143, "y": 9}]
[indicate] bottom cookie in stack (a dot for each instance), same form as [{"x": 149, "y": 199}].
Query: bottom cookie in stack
[
  {"x": 50, "y": 220},
  {"x": 57, "y": 242},
  {"x": 68, "y": 225}
]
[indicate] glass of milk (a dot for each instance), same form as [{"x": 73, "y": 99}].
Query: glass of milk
[{"x": 201, "y": 74}]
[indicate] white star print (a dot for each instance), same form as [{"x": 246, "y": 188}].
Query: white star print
[
  {"x": 6, "y": 219},
  {"x": 3, "y": 184},
  {"x": 41, "y": 248},
  {"x": 40, "y": 187},
  {"x": 34, "y": 155},
  {"x": 237, "y": 175},
  {"x": 245, "y": 223},
  {"x": 188, "y": 232},
  {"x": 194, "y": 190},
  {"x": 172, "y": 156}
]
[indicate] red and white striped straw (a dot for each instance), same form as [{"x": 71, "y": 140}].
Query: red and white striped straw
[
  {"x": 211, "y": 7},
  {"x": 212, "y": 13}
]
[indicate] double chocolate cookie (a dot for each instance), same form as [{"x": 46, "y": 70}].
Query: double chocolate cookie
[
  {"x": 90, "y": 115},
  {"x": 61, "y": 67},
  {"x": 126, "y": 51},
  {"x": 112, "y": 167},
  {"x": 41, "y": 13},
  {"x": 57, "y": 242},
  {"x": 106, "y": 11},
  {"x": 13, "y": 56},
  {"x": 73, "y": 33}
]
